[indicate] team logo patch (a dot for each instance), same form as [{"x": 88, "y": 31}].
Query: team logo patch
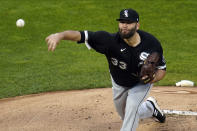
[
  {"x": 144, "y": 55},
  {"x": 126, "y": 13}
]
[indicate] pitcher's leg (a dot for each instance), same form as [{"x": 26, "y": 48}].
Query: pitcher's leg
[
  {"x": 136, "y": 96},
  {"x": 119, "y": 98},
  {"x": 145, "y": 110}
]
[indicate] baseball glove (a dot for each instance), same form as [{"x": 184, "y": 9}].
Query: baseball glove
[{"x": 148, "y": 69}]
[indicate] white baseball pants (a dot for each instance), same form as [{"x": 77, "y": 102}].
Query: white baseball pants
[{"x": 130, "y": 105}]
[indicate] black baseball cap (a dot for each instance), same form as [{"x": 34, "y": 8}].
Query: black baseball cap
[{"x": 128, "y": 15}]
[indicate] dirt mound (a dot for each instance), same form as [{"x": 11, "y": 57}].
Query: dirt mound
[{"x": 91, "y": 110}]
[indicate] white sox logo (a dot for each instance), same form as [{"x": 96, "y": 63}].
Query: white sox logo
[
  {"x": 143, "y": 56},
  {"x": 126, "y": 13}
]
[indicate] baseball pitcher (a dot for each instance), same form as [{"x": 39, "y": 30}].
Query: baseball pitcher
[{"x": 135, "y": 60}]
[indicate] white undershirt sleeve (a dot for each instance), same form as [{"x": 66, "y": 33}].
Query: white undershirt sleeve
[{"x": 86, "y": 40}]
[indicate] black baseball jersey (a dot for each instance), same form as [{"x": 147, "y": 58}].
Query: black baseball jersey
[{"x": 124, "y": 61}]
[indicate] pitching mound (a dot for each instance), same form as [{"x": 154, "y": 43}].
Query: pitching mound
[{"x": 92, "y": 110}]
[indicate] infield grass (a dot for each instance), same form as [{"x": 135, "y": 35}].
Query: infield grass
[{"x": 27, "y": 67}]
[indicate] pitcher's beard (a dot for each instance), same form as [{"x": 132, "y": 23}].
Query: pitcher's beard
[{"x": 129, "y": 34}]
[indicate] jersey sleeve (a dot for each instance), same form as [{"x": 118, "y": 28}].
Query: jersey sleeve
[
  {"x": 97, "y": 40},
  {"x": 158, "y": 48},
  {"x": 162, "y": 63}
]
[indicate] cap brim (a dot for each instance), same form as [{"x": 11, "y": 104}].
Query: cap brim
[{"x": 122, "y": 19}]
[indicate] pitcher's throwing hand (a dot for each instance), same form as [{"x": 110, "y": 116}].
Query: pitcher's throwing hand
[{"x": 52, "y": 41}]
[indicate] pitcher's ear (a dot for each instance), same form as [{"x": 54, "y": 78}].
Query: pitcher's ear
[{"x": 138, "y": 26}]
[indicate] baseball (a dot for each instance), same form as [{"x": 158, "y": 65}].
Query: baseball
[{"x": 20, "y": 23}]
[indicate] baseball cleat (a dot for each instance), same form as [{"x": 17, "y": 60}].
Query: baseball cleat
[{"x": 158, "y": 114}]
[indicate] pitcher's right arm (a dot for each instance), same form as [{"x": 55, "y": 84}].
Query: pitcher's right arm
[{"x": 54, "y": 39}]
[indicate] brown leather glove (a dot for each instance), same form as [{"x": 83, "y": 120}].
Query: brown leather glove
[{"x": 148, "y": 69}]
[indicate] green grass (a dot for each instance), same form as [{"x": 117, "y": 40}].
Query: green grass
[{"x": 27, "y": 67}]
